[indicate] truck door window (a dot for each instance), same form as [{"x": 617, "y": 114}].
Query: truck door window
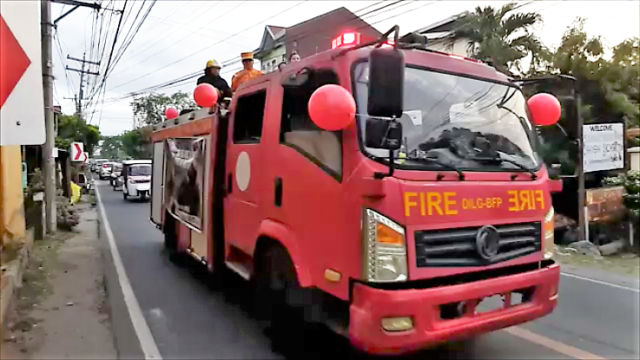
[
  {"x": 249, "y": 115},
  {"x": 323, "y": 148}
]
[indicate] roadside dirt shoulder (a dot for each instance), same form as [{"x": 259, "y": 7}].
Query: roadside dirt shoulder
[{"x": 61, "y": 312}]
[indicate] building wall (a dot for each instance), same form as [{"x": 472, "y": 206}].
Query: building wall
[
  {"x": 12, "y": 223},
  {"x": 459, "y": 47},
  {"x": 269, "y": 61}
]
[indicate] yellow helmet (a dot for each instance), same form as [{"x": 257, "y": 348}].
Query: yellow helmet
[{"x": 213, "y": 64}]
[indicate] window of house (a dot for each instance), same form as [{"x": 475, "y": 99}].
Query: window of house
[
  {"x": 248, "y": 118},
  {"x": 297, "y": 130}
]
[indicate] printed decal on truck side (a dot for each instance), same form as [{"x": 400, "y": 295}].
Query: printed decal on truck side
[
  {"x": 449, "y": 203},
  {"x": 185, "y": 160}
]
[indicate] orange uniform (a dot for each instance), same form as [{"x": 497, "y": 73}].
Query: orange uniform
[{"x": 245, "y": 74}]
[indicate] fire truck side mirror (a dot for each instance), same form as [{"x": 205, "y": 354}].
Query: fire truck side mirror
[
  {"x": 383, "y": 134},
  {"x": 386, "y": 83}
]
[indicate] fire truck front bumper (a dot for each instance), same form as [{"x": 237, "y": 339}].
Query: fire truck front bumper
[{"x": 393, "y": 322}]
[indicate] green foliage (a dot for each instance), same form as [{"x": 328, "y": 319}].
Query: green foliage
[
  {"x": 149, "y": 109},
  {"x": 608, "y": 87},
  {"x": 500, "y": 36},
  {"x": 136, "y": 143},
  {"x": 73, "y": 129},
  {"x": 111, "y": 147},
  {"x": 631, "y": 183}
]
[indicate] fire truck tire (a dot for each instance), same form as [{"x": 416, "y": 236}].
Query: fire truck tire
[
  {"x": 275, "y": 276},
  {"x": 275, "y": 283}
]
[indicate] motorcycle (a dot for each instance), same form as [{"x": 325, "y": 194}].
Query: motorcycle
[{"x": 115, "y": 181}]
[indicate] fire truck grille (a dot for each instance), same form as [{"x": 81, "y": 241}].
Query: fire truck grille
[{"x": 457, "y": 247}]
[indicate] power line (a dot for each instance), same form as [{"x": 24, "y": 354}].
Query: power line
[
  {"x": 193, "y": 75},
  {"x": 179, "y": 81},
  {"x": 184, "y": 37},
  {"x": 127, "y": 44},
  {"x": 149, "y": 45},
  {"x": 184, "y": 78},
  {"x": 219, "y": 42}
]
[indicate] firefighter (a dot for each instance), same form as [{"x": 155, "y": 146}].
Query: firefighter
[
  {"x": 245, "y": 74},
  {"x": 212, "y": 76}
]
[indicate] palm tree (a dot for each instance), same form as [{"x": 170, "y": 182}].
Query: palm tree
[{"x": 500, "y": 37}]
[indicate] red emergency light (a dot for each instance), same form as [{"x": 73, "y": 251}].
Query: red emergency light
[
  {"x": 350, "y": 39},
  {"x": 346, "y": 39}
]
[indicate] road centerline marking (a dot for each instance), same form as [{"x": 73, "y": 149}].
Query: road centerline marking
[
  {"x": 147, "y": 343},
  {"x": 553, "y": 345}
]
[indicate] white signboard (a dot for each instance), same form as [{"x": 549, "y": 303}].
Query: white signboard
[
  {"x": 603, "y": 147},
  {"x": 77, "y": 151},
  {"x": 21, "y": 99}
]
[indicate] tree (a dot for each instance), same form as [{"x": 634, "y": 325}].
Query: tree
[
  {"x": 136, "y": 143},
  {"x": 608, "y": 86},
  {"x": 500, "y": 37},
  {"x": 149, "y": 109},
  {"x": 111, "y": 147},
  {"x": 73, "y": 129}
]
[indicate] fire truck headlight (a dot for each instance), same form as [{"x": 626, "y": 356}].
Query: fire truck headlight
[
  {"x": 385, "y": 249},
  {"x": 549, "y": 227}
]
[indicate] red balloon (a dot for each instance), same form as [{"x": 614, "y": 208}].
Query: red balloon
[
  {"x": 205, "y": 95},
  {"x": 331, "y": 107},
  {"x": 545, "y": 109},
  {"x": 171, "y": 113}
]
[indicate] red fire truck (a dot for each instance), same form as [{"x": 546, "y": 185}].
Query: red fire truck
[{"x": 393, "y": 229}]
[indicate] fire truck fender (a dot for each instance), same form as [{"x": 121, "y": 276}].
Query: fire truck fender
[{"x": 278, "y": 232}]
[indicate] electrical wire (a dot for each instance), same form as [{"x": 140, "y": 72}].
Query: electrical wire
[
  {"x": 181, "y": 80},
  {"x": 216, "y": 43},
  {"x": 184, "y": 78},
  {"x": 229, "y": 61}
]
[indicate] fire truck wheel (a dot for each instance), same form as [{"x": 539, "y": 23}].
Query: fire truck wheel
[{"x": 275, "y": 278}]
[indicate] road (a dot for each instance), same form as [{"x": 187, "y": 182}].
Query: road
[{"x": 188, "y": 319}]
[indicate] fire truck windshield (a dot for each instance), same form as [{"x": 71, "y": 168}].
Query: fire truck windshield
[{"x": 468, "y": 123}]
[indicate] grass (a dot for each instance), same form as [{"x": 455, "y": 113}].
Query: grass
[{"x": 623, "y": 264}]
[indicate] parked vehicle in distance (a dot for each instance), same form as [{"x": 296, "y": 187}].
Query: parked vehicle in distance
[
  {"x": 96, "y": 164},
  {"x": 136, "y": 178},
  {"x": 105, "y": 170}
]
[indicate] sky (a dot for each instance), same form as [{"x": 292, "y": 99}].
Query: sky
[{"x": 178, "y": 37}]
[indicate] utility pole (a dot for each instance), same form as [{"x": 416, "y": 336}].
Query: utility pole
[
  {"x": 47, "y": 82},
  {"x": 82, "y": 71}
]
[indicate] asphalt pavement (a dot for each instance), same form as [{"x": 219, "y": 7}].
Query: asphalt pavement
[{"x": 187, "y": 318}]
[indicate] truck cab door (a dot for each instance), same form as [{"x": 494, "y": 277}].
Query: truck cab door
[{"x": 244, "y": 169}]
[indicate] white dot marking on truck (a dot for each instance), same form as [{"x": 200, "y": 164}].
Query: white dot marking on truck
[{"x": 243, "y": 171}]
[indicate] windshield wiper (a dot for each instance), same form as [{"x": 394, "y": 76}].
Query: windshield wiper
[
  {"x": 438, "y": 162},
  {"x": 500, "y": 159}
]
